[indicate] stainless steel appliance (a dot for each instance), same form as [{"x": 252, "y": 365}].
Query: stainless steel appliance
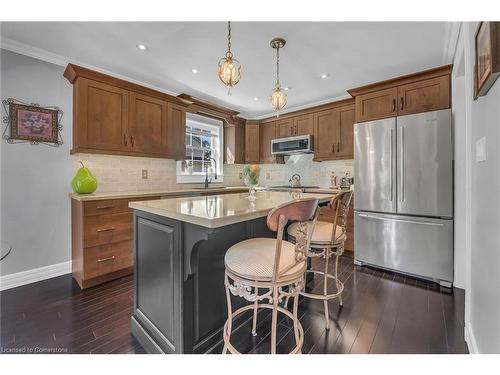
[
  {"x": 301, "y": 144},
  {"x": 404, "y": 195}
]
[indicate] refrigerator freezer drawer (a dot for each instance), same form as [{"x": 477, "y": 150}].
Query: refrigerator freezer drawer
[{"x": 414, "y": 245}]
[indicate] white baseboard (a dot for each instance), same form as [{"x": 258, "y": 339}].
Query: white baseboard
[
  {"x": 36, "y": 274},
  {"x": 470, "y": 339}
]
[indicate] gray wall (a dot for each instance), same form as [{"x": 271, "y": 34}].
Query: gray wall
[
  {"x": 483, "y": 302},
  {"x": 35, "y": 180}
]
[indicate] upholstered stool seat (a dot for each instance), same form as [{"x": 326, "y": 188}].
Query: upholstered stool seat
[
  {"x": 322, "y": 233},
  {"x": 254, "y": 259}
]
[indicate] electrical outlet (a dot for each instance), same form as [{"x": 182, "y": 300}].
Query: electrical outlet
[
  {"x": 241, "y": 175},
  {"x": 144, "y": 174}
]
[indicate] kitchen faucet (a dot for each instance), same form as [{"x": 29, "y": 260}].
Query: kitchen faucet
[{"x": 208, "y": 157}]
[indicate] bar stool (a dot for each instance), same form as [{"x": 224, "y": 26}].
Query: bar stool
[
  {"x": 260, "y": 269},
  {"x": 328, "y": 240}
]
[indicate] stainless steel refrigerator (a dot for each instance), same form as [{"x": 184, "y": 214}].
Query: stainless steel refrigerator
[{"x": 403, "y": 195}]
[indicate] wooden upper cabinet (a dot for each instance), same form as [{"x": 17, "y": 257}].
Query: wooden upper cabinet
[
  {"x": 334, "y": 133},
  {"x": 252, "y": 142},
  {"x": 423, "y": 96},
  {"x": 414, "y": 93},
  {"x": 285, "y": 127},
  {"x": 175, "y": 140},
  {"x": 267, "y": 133},
  {"x": 345, "y": 133},
  {"x": 304, "y": 124},
  {"x": 376, "y": 105},
  {"x": 234, "y": 144},
  {"x": 147, "y": 124},
  {"x": 114, "y": 116},
  {"x": 325, "y": 124},
  {"x": 100, "y": 116}
]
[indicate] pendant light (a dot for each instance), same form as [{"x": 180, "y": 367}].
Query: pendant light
[
  {"x": 229, "y": 67},
  {"x": 278, "y": 96}
]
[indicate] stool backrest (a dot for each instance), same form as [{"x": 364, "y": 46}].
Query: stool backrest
[
  {"x": 340, "y": 204},
  {"x": 305, "y": 211}
]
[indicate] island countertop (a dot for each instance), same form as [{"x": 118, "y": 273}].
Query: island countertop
[{"x": 219, "y": 210}]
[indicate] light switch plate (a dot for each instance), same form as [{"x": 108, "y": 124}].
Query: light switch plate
[{"x": 481, "y": 150}]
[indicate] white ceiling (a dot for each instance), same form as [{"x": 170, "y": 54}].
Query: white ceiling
[{"x": 353, "y": 53}]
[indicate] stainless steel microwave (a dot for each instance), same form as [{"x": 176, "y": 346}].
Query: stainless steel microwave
[{"x": 301, "y": 144}]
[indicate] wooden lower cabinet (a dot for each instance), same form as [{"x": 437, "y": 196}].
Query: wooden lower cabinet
[{"x": 101, "y": 235}]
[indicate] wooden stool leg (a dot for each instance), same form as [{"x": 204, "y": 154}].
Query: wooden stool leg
[
  {"x": 325, "y": 289},
  {"x": 227, "y": 333},
  {"x": 274, "y": 322},
  {"x": 255, "y": 309}
]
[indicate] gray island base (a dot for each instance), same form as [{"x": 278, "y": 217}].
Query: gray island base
[{"x": 179, "y": 248}]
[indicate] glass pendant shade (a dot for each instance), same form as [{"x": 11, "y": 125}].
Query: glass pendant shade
[
  {"x": 278, "y": 99},
  {"x": 229, "y": 70}
]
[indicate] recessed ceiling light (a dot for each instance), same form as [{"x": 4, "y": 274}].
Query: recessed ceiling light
[
  {"x": 255, "y": 99},
  {"x": 194, "y": 70},
  {"x": 142, "y": 46},
  {"x": 325, "y": 75},
  {"x": 286, "y": 88}
]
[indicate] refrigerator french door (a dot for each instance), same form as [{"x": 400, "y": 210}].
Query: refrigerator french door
[{"x": 404, "y": 194}]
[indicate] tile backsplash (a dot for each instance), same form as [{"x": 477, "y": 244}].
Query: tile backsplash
[{"x": 124, "y": 173}]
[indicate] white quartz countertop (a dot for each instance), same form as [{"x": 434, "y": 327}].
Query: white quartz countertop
[
  {"x": 215, "y": 211},
  {"x": 154, "y": 193}
]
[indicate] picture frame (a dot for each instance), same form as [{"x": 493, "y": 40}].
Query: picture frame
[
  {"x": 487, "y": 62},
  {"x": 31, "y": 122}
]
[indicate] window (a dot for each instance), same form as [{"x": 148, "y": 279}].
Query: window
[{"x": 203, "y": 134}]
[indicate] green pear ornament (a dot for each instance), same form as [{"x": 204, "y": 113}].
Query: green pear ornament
[{"x": 84, "y": 182}]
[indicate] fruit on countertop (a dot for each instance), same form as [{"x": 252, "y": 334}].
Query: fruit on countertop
[{"x": 84, "y": 182}]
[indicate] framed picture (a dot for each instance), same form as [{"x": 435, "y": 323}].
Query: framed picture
[
  {"x": 32, "y": 123},
  {"x": 487, "y": 65}
]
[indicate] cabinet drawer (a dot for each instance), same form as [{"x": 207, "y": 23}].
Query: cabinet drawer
[
  {"x": 105, "y": 229},
  {"x": 109, "y": 206},
  {"x": 100, "y": 260}
]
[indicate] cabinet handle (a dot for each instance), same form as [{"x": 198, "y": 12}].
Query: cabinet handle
[
  {"x": 291, "y": 130},
  {"x": 296, "y": 129},
  {"x": 132, "y": 141},
  {"x": 125, "y": 139},
  {"x": 104, "y": 207},
  {"x": 333, "y": 147},
  {"x": 105, "y": 259},
  {"x": 338, "y": 146},
  {"x": 394, "y": 105},
  {"x": 402, "y": 103},
  {"x": 105, "y": 229}
]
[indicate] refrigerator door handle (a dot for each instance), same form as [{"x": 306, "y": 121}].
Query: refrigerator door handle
[
  {"x": 401, "y": 220},
  {"x": 391, "y": 169},
  {"x": 402, "y": 162}
]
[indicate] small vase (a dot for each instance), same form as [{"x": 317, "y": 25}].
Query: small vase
[{"x": 251, "y": 189}]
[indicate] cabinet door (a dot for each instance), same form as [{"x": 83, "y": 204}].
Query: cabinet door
[
  {"x": 234, "y": 144},
  {"x": 147, "y": 124},
  {"x": 285, "y": 128},
  {"x": 100, "y": 116},
  {"x": 304, "y": 124},
  {"x": 345, "y": 133},
  {"x": 325, "y": 124},
  {"x": 252, "y": 140},
  {"x": 376, "y": 105},
  {"x": 423, "y": 96},
  {"x": 175, "y": 141},
  {"x": 267, "y": 133}
]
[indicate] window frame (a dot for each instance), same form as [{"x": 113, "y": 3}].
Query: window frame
[{"x": 209, "y": 123}]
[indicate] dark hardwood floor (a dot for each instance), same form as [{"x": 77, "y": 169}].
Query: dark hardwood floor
[{"x": 383, "y": 312}]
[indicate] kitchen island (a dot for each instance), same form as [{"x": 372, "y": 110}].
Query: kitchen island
[{"x": 179, "y": 248}]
